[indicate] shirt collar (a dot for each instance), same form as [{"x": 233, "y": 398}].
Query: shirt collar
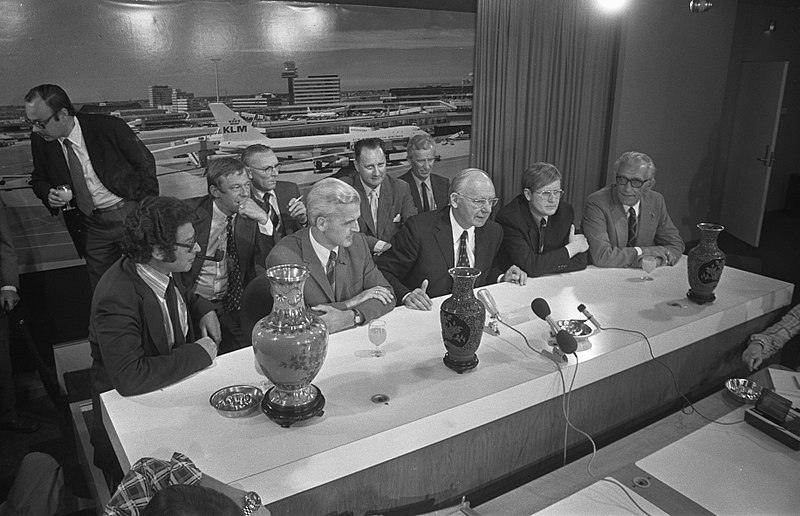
[
  {"x": 636, "y": 207},
  {"x": 457, "y": 229},
  {"x": 76, "y": 135},
  {"x": 322, "y": 252},
  {"x": 368, "y": 188}
]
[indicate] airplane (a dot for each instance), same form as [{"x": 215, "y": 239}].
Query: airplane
[
  {"x": 320, "y": 114},
  {"x": 451, "y": 138},
  {"x": 6, "y": 140},
  {"x": 235, "y": 134}
]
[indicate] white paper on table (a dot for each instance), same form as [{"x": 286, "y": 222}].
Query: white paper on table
[
  {"x": 786, "y": 385},
  {"x": 601, "y": 498}
]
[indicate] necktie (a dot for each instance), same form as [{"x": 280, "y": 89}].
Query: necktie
[
  {"x": 174, "y": 314},
  {"x": 233, "y": 295},
  {"x": 273, "y": 217},
  {"x": 542, "y": 230},
  {"x": 373, "y": 206},
  {"x": 330, "y": 269},
  {"x": 632, "y": 227},
  {"x": 79, "y": 188},
  {"x": 463, "y": 259},
  {"x": 425, "y": 204}
]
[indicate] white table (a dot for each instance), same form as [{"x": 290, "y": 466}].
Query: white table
[{"x": 429, "y": 404}]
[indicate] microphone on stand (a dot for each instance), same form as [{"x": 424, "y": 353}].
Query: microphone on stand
[
  {"x": 565, "y": 340},
  {"x": 585, "y": 311},
  {"x": 488, "y": 301}
]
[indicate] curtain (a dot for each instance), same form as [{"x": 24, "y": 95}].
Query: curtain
[{"x": 544, "y": 89}]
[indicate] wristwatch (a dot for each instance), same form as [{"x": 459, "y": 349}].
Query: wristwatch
[
  {"x": 252, "y": 503},
  {"x": 358, "y": 317}
]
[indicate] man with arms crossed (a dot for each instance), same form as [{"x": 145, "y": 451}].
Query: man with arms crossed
[
  {"x": 459, "y": 234},
  {"x": 344, "y": 283},
  {"x": 107, "y": 168},
  {"x": 145, "y": 331},
  {"x": 428, "y": 190},
  {"x": 626, "y": 220}
]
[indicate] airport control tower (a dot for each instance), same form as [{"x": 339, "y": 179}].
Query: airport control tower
[{"x": 290, "y": 73}]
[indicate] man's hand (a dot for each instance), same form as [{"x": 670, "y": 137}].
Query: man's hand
[
  {"x": 577, "y": 243},
  {"x": 335, "y": 319},
  {"x": 298, "y": 210},
  {"x": 382, "y": 294},
  {"x": 381, "y": 247},
  {"x": 54, "y": 200},
  {"x": 753, "y": 355},
  {"x": 209, "y": 327},
  {"x": 657, "y": 251},
  {"x": 250, "y": 209},
  {"x": 418, "y": 298},
  {"x": 210, "y": 346},
  {"x": 9, "y": 299},
  {"x": 515, "y": 275}
]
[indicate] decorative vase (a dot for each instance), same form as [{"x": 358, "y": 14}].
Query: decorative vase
[
  {"x": 462, "y": 317},
  {"x": 290, "y": 345},
  {"x": 705, "y": 264}
]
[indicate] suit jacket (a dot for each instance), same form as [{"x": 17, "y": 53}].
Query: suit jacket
[
  {"x": 395, "y": 207},
  {"x": 423, "y": 249},
  {"x": 521, "y": 240},
  {"x": 606, "y": 228},
  {"x": 245, "y": 232},
  {"x": 9, "y": 275},
  {"x": 439, "y": 184},
  {"x": 355, "y": 273},
  {"x": 121, "y": 161},
  {"x": 284, "y": 192}
]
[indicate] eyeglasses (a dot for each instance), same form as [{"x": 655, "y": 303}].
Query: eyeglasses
[
  {"x": 189, "y": 245},
  {"x": 268, "y": 170},
  {"x": 636, "y": 183},
  {"x": 41, "y": 124},
  {"x": 480, "y": 203},
  {"x": 549, "y": 194}
]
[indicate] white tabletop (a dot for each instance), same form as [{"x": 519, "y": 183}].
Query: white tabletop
[{"x": 428, "y": 402}]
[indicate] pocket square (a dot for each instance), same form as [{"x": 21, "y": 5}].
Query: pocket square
[{"x": 396, "y": 218}]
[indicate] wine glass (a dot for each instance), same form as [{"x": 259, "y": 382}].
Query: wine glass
[
  {"x": 649, "y": 264},
  {"x": 377, "y": 335},
  {"x": 65, "y": 194}
]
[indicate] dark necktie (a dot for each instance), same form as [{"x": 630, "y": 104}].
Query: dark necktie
[
  {"x": 463, "y": 259},
  {"x": 80, "y": 189},
  {"x": 426, "y": 206},
  {"x": 542, "y": 230},
  {"x": 233, "y": 295},
  {"x": 632, "y": 227},
  {"x": 174, "y": 313},
  {"x": 273, "y": 217},
  {"x": 330, "y": 269}
]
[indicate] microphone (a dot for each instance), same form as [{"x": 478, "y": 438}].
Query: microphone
[
  {"x": 565, "y": 340},
  {"x": 585, "y": 311},
  {"x": 488, "y": 301},
  {"x": 219, "y": 255}
]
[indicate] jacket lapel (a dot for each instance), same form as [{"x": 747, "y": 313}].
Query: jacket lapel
[
  {"x": 315, "y": 267},
  {"x": 385, "y": 207},
  {"x": 366, "y": 212},
  {"x": 443, "y": 234},
  {"x": 151, "y": 309}
]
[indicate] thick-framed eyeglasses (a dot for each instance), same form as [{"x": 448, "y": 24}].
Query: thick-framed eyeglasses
[
  {"x": 41, "y": 124},
  {"x": 268, "y": 170},
  {"x": 480, "y": 203},
  {"x": 636, "y": 183},
  {"x": 549, "y": 194},
  {"x": 187, "y": 245}
]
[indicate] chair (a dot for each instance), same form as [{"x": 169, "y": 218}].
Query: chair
[{"x": 256, "y": 303}]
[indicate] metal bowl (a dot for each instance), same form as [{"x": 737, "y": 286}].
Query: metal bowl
[
  {"x": 236, "y": 400},
  {"x": 746, "y": 390},
  {"x": 577, "y": 328}
]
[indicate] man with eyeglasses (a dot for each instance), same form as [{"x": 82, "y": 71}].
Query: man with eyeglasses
[
  {"x": 99, "y": 160},
  {"x": 146, "y": 330},
  {"x": 538, "y": 226},
  {"x": 428, "y": 190},
  {"x": 626, "y": 220},
  {"x": 386, "y": 202},
  {"x": 281, "y": 200},
  {"x": 459, "y": 234},
  {"x": 227, "y": 222}
]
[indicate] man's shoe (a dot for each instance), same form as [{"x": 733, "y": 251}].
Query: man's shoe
[{"x": 18, "y": 427}]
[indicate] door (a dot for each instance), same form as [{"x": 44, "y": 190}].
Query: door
[{"x": 752, "y": 150}]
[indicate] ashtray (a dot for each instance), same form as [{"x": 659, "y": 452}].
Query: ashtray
[
  {"x": 577, "y": 328},
  {"x": 236, "y": 400},
  {"x": 746, "y": 390}
]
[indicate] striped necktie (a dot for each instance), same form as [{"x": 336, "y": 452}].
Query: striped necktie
[
  {"x": 632, "y": 227},
  {"x": 463, "y": 258},
  {"x": 232, "y": 301}
]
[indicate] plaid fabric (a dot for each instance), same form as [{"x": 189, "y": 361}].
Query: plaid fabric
[
  {"x": 774, "y": 337},
  {"x": 146, "y": 478}
]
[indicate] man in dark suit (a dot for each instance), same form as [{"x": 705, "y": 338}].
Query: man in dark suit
[
  {"x": 146, "y": 332},
  {"x": 281, "y": 200},
  {"x": 9, "y": 298},
  {"x": 460, "y": 234},
  {"x": 386, "y": 202},
  {"x": 227, "y": 222},
  {"x": 93, "y": 167},
  {"x": 627, "y": 221},
  {"x": 428, "y": 190},
  {"x": 344, "y": 283},
  {"x": 538, "y": 229}
]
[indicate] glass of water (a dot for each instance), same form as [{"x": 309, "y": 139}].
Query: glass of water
[{"x": 377, "y": 335}]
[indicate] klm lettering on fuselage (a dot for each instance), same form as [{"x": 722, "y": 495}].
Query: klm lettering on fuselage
[{"x": 234, "y": 127}]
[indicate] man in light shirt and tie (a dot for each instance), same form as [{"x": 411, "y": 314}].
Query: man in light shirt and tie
[{"x": 428, "y": 190}]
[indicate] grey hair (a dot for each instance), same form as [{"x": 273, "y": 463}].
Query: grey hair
[
  {"x": 462, "y": 177},
  {"x": 635, "y": 160},
  {"x": 252, "y": 150},
  {"x": 327, "y": 196},
  {"x": 420, "y": 142}
]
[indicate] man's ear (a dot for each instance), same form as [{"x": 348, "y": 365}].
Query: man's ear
[
  {"x": 527, "y": 193},
  {"x": 214, "y": 191},
  {"x": 453, "y": 200},
  {"x": 157, "y": 253}
]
